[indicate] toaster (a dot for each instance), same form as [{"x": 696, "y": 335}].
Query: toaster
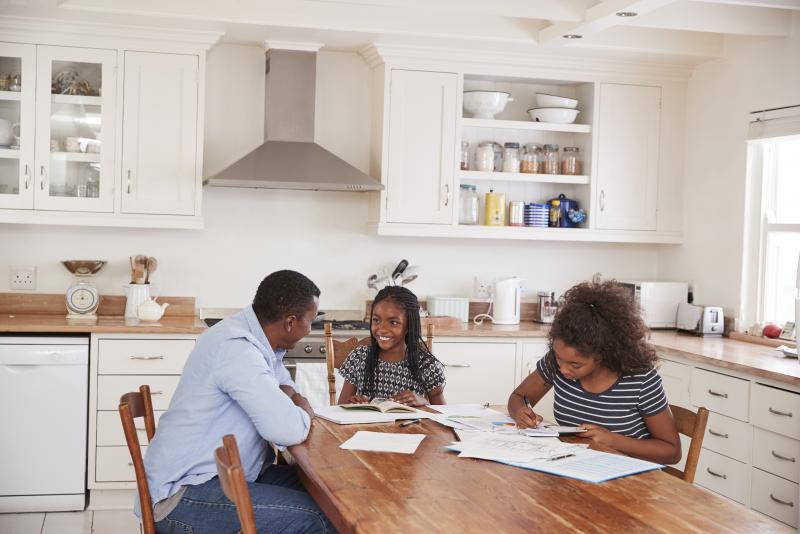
[{"x": 701, "y": 320}]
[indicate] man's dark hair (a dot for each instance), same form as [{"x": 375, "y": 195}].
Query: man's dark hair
[{"x": 283, "y": 293}]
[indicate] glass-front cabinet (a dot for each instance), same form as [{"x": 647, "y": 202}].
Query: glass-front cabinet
[{"x": 57, "y": 128}]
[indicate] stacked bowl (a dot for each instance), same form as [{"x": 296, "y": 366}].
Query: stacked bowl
[
  {"x": 536, "y": 215},
  {"x": 554, "y": 109}
]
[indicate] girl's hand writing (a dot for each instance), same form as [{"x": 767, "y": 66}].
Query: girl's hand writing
[
  {"x": 357, "y": 399},
  {"x": 526, "y": 418},
  {"x": 409, "y": 398},
  {"x": 598, "y": 434}
]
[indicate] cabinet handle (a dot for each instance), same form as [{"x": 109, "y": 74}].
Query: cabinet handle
[
  {"x": 710, "y": 472},
  {"x": 602, "y": 200},
  {"x": 147, "y": 357},
  {"x": 447, "y": 194},
  {"x": 771, "y": 496},
  {"x": 290, "y": 365},
  {"x": 457, "y": 365},
  {"x": 723, "y": 395},
  {"x": 156, "y": 393},
  {"x": 778, "y": 412},
  {"x": 27, "y": 176},
  {"x": 779, "y": 457},
  {"x": 129, "y": 181},
  {"x": 43, "y": 174},
  {"x": 718, "y": 434}
]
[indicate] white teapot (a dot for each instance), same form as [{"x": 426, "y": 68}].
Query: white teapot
[{"x": 150, "y": 310}]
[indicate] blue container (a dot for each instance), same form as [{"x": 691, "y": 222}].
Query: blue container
[{"x": 567, "y": 204}]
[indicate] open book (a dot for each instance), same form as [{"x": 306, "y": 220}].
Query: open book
[{"x": 381, "y": 405}]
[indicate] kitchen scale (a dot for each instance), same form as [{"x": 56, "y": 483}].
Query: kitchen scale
[{"x": 82, "y": 296}]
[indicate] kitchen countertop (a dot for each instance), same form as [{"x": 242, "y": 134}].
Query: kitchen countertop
[
  {"x": 108, "y": 324},
  {"x": 487, "y": 329}
]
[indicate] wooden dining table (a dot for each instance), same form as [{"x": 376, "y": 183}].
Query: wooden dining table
[{"x": 433, "y": 490}]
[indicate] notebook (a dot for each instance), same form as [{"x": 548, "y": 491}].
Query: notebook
[
  {"x": 343, "y": 416},
  {"x": 591, "y": 466},
  {"x": 381, "y": 405}
]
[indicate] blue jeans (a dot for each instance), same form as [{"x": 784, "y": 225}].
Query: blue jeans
[{"x": 280, "y": 504}]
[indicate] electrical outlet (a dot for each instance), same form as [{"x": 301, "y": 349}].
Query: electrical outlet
[
  {"x": 23, "y": 278},
  {"x": 481, "y": 288}
]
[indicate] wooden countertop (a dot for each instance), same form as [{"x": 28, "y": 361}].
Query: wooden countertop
[
  {"x": 487, "y": 329},
  {"x": 40, "y": 324}
]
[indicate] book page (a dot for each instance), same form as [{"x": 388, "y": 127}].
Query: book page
[{"x": 383, "y": 442}]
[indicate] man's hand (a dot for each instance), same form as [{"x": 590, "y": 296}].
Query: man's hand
[
  {"x": 526, "y": 418},
  {"x": 303, "y": 403},
  {"x": 409, "y": 398}
]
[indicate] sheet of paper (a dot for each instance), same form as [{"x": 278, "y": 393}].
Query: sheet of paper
[
  {"x": 474, "y": 410},
  {"x": 342, "y": 416},
  {"x": 383, "y": 442},
  {"x": 512, "y": 447},
  {"x": 565, "y": 429},
  {"x": 591, "y": 466}
]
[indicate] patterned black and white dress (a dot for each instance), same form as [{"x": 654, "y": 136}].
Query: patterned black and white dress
[{"x": 392, "y": 377}]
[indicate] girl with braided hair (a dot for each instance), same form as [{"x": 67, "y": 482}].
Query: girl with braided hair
[
  {"x": 604, "y": 376},
  {"x": 397, "y": 365}
]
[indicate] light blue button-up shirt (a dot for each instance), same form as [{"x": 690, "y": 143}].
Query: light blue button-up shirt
[{"x": 230, "y": 385}]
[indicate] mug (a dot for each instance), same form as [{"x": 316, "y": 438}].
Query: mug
[{"x": 71, "y": 144}]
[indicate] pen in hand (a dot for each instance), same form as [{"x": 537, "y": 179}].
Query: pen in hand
[{"x": 409, "y": 422}]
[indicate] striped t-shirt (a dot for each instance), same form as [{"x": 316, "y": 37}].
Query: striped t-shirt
[{"x": 620, "y": 408}]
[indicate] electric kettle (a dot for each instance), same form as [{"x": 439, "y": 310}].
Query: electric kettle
[{"x": 506, "y": 301}]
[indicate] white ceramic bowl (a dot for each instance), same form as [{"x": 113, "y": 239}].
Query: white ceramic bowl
[
  {"x": 544, "y": 100},
  {"x": 486, "y": 104},
  {"x": 554, "y": 115}
]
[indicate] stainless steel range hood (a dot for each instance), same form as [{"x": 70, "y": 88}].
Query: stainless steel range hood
[{"x": 289, "y": 157}]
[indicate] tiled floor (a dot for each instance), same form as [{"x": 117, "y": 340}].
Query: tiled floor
[{"x": 87, "y": 522}]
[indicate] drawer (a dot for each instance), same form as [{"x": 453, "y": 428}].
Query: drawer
[
  {"x": 109, "y": 429},
  {"x": 774, "y": 497},
  {"x": 113, "y": 464},
  {"x": 776, "y": 454},
  {"x": 729, "y": 437},
  {"x": 776, "y": 410},
  {"x": 723, "y": 475},
  {"x": 143, "y": 356},
  {"x": 676, "y": 378},
  {"x": 111, "y": 388},
  {"x": 720, "y": 393}
]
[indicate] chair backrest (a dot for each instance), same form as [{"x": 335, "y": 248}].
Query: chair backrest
[
  {"x": 132, "y": 405},
  {"x": 693, "y": 425},
  {"x": 234, "y": 485},
  {"x": 337, "y": 351}
]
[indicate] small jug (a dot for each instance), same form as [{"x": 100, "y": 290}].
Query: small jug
[
  {"x": 150, "y": 310},
  {"x": 135, "y": 294}
]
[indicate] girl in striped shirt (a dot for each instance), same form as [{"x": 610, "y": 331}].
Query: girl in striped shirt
[{"x": 602, "y": 369}]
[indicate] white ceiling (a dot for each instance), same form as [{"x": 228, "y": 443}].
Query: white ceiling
[{"x": 681, "y": 31}]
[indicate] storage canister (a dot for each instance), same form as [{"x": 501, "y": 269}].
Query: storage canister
[
  {"x": 495, "y": 208},
  {"x": 571, "y": 162},
  {"x": 516, "y": 213},
  {"x": 511, "y": 157},
  {"x": 469, "y": 205},
  {"x": 531, "y": 160},
  {"x": 484, "y": 157},
  {"x": 555, "y": 213},
  {"x": 551, "y": 165},
  {"x": 465, "y": 155}
]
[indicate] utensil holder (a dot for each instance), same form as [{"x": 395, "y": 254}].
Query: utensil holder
[{"x": 135, "y": 294}]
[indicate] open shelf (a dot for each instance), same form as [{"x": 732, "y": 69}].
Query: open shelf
[
  {"x": 519, "y": 177},
  {"x": 10, "y": 95},
  {"x": 78, "y": 99},
  {"x": 526, "y": 125},
  {"x": 9, "y": 153},
  {"x": 76, "y": 156}
]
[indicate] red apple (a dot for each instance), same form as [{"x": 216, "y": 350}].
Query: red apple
[{"x": 772, "y": 330}]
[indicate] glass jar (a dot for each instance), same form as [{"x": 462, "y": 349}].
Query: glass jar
[
  {"x": 511, "y": 157},
  {"x": 555, "y": 213},
  {"x": 516, "y": 213},
  {"x": 465, "y": 156},
  {"x": 571, "y": 162},
  {"x": 531, "y": 161},
  {"x": 498, "y": 157},
  {"x": 469, "y": 205},
  {"x": 550, "y": 158},
  {"x": 495, "y": 208},
  {"x": 484, "y": 157}
]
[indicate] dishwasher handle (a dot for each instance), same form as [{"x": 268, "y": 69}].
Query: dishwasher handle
[{"x": 31, "y": 355}]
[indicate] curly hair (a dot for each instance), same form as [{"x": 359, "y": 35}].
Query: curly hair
[
  {"x": 283, "y": 293},
  {"x": 600, "y": 319}
]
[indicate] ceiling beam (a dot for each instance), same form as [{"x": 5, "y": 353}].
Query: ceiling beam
[
  {"x": 774, "y": 4},
  {"x": 717, "y": 18},
  {"x": 598, "y": 18},
  {"x": 701, "y": 46}
]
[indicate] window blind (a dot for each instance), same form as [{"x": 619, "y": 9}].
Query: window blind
[{"x": 771, "y": 123}]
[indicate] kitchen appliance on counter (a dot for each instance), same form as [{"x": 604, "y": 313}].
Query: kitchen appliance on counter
[
  {"x": 701, "y": 320},
  {"x": 657, "y": 301},
  {"x": 82, "y": 296},
  {"x": 546, "y": 308},
  {"x": 506, "y": 301}
]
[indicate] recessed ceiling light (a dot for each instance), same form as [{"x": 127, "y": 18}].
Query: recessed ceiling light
[
  {"x": 627, "y": 14},
  {"x": 572, "y": 36}
]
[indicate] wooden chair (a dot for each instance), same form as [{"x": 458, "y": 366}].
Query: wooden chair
[
  {"x": 234, "y": 485},
  {"x": 337, "y": 351},
  {"x": 132, "y": 405},
  {"x": 693, "y": 425}
]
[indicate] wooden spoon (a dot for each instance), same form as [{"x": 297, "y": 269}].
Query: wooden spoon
[{"x": 150, "y": 266}]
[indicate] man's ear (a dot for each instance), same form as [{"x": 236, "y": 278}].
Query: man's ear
[{"x": 289, "y": 322}]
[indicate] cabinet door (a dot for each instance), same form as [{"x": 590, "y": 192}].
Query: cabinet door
[
  {"x": 531, "y": 354},
  {"x": 159, "y": 138},
  {"x": 17, "y": 123},
  {"x": 477, "y": 372},
  {"x": 75, "y": 129},
  {"x": 627, "y": 160},
  {"x": 422, "y": 151}
]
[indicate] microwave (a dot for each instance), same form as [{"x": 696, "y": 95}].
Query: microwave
[{"x": 657, "y": 301}]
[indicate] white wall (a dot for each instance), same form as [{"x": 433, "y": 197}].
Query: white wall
[
  {"x": 250, "y": 233},
  {"x": 754, "y": 74}
]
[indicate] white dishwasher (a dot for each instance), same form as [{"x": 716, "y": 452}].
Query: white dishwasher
[{"x": 44, "y": 385}]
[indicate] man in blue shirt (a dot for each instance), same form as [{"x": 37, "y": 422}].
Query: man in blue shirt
[{"x": 234, "y": 382}]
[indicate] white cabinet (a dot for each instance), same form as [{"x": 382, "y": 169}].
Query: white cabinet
[
  {"x": 17, "y": 110},
  {"x": 628, "y": 157},
  {"x": 159, "y": 136},
  {"x": 531, "y": 354},
  {"x": 477, "y": 372},
  {"x": 421, "y": 147}
]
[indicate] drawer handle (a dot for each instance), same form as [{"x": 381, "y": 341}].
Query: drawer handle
[
  {"x": 779, "y": 457},
  {"x": 778, "y": 412},
  {"x": 718, "y": 434},
  {"x": 712, "y": 392},
  {"x": 710, "y": 472},
  {"x": 457, "y": 365},
  {"x": 147, "y": 357},
  {"x": 771, "y": 496}
]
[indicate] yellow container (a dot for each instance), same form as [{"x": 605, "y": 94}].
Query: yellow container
[{"x": 495, "y": 208}]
